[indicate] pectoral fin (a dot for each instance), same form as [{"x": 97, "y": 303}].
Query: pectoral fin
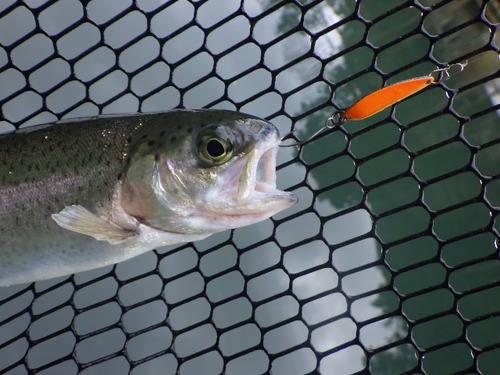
[{"x": 79, "y": 219}]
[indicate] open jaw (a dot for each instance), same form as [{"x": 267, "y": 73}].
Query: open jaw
[
  {"x": 247, "y": 191},
  {"x": 258, "y": 174}
]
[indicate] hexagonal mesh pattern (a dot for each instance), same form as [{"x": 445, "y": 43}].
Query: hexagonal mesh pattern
[{"x": 389, "y": 264}]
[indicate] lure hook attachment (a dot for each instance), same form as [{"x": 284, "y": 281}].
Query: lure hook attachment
[{"x": 336, "y": 119}]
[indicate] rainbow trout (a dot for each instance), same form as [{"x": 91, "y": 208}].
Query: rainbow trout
[{"x": 78, "y": 195}]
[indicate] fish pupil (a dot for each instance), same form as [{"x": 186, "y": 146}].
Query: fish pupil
[{"x": 215, "y": 148}]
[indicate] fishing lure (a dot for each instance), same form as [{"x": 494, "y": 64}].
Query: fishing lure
[
  {"x": 385, "y": 97},
  {"x": 381, "y": 99}
]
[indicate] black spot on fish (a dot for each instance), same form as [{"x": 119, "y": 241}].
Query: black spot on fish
[
  {"x": 144, "y": 137},
  {"x": 129, "y": 140},
  {"x": 162, "y": 134},
  {"x": 189, "y": 130},
  {"x": 157, "y": 157},
  {"x": 119, "y": 177},
  {"x": 151, "y": 143},
  {"x": 173, "y": 139}
]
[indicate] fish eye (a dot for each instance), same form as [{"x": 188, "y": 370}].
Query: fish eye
[{"x": 214, "y": 150}]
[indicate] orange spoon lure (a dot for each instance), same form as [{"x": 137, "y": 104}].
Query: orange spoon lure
[
  {"x": 385, "y": 97},
  {"x": 382, "y": 99}
]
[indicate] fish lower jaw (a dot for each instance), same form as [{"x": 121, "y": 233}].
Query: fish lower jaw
[
  {"x": 264, "y": 187},
  {"x": 214, "y": 222},
  {"x": 260, "y": 206}
]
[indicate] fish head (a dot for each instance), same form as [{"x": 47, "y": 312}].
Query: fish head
[{"x": 215, "y": 170}]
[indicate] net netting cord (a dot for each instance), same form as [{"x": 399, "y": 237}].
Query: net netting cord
[{"x": 388, "y": 264}]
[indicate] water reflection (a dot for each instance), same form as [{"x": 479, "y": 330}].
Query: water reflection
[
  {"x": 276, "y": 311},
  {"x": 347, "y": 227},
  {"x": 324, "y": 308},
  {"x": 344, "y": 362}
]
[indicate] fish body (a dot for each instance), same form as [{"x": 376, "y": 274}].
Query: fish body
[{"x": 79, "y": 195}]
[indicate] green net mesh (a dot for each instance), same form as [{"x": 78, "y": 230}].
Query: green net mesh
[{"x": 389, "y": 263}]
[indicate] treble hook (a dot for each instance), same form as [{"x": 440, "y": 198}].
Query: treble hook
[{"x": 444, "y": 73}]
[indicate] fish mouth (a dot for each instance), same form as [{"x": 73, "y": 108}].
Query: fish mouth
[
  {"x": 258, "y": 175},
  {"x": 247, "y": 191}
]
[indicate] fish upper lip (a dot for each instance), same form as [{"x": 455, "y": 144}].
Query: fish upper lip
[{"x": 258, "y": 173}]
